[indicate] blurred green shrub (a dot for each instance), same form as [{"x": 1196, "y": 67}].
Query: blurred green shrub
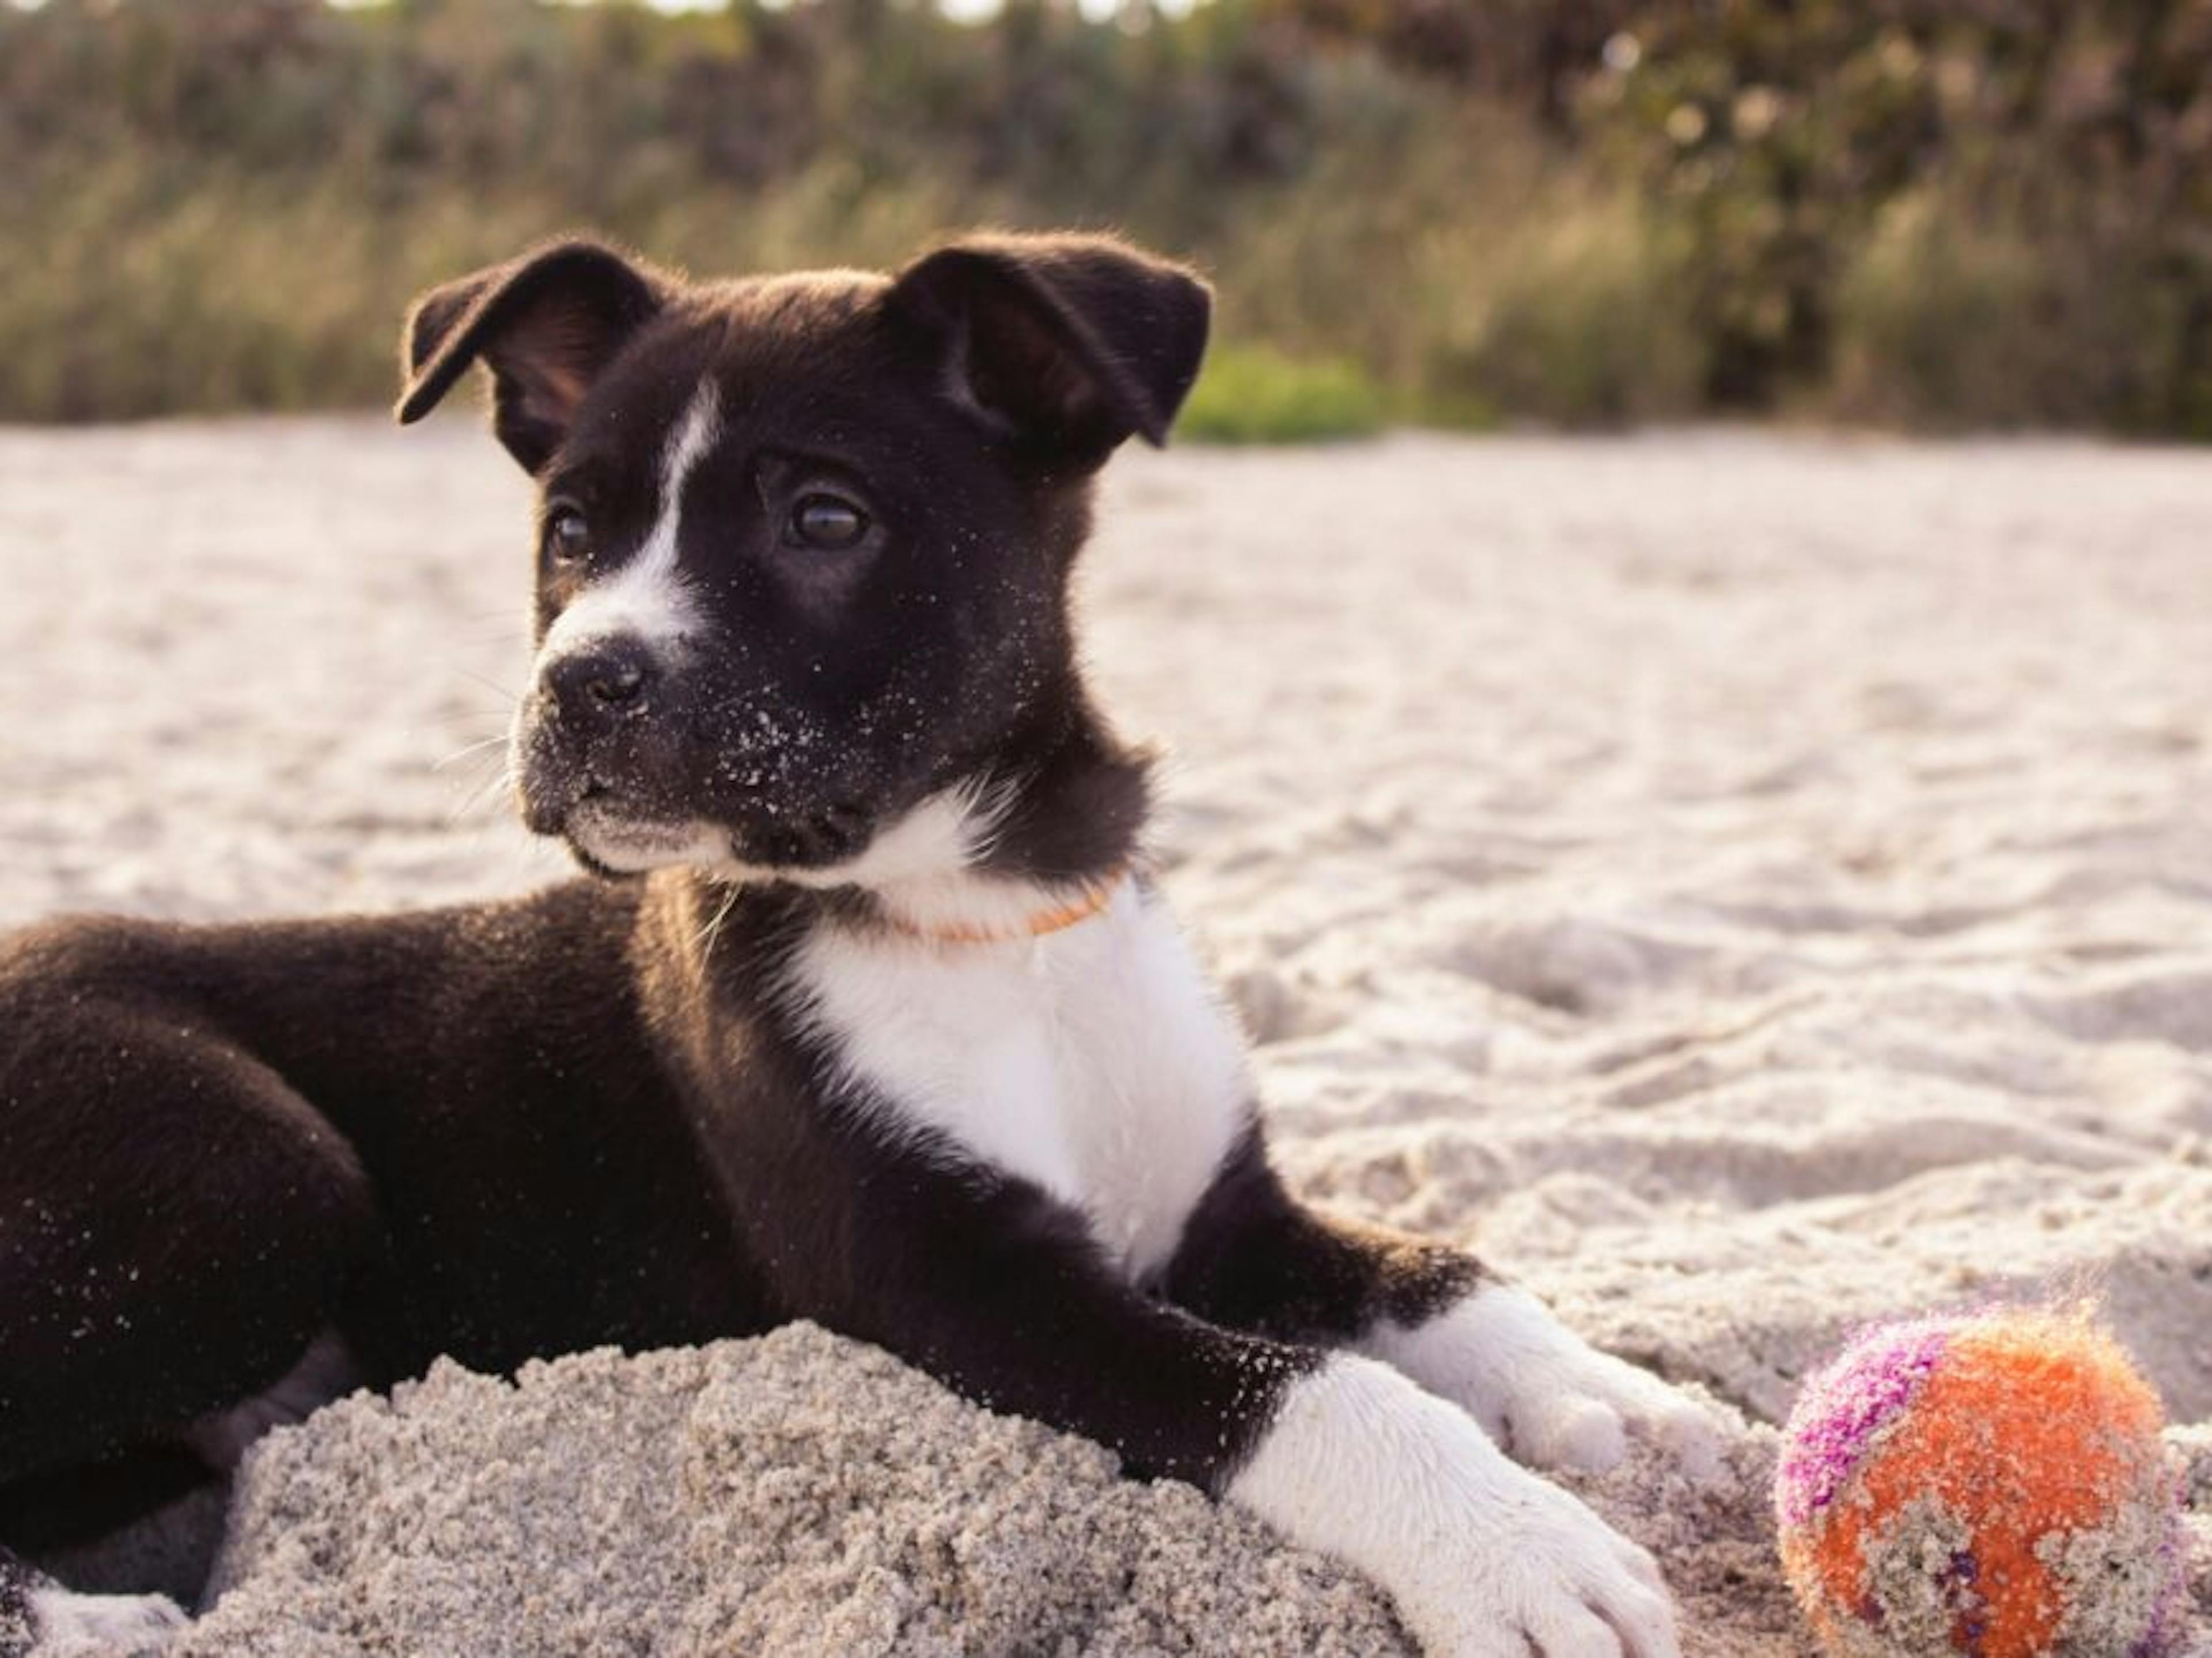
[
  {"x": 1933, "y": 213},
  {"x": 1951, "y": 315},
  {"x": 1604, "y": 211},
  {"x": 1947, "y": 319},
  {"x": 1584, "y": 320},
  {"x": 1256, "y": 394}
]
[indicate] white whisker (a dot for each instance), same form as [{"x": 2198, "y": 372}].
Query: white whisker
[
  {"x": 482, "y": 792},
  {"x": 459, "y": 755},
  {"x": 712, "y": 930},
  {"x": 511, "y": 696}
]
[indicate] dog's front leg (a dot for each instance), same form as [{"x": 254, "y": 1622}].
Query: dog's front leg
[
  {"x": 998, "y": 1290},
  {"x": 1253, "y": 1258}
]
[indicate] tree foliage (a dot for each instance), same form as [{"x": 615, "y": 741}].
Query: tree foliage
[{"x": 1993, "y": 213}]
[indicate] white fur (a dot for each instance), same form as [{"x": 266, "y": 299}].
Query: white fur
[
  {"x": 1484, "y": 1559},
  {"x": 935, "y": 841},
  {"x": 1094, "y": 1062},
  {"x": 647, "y": 598},
  {"x": 921, "y": 869},
  {"x": 1539, "y": 1389},
  {"x": 118, "y": 1622},
  {"x": 632, "y": 847}
]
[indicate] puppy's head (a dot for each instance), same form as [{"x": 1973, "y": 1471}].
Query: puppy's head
[{"x": 804, "y": 542}]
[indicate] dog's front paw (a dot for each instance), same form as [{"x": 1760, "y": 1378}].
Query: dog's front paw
[
  {"x": 1542, "y": 1392},
  {"x": 1484, "y": 1559},
  {"x": 1561, "y": 1584}
]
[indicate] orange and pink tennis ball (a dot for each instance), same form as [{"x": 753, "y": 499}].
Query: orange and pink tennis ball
[{"x": 1988, "y": 1483}]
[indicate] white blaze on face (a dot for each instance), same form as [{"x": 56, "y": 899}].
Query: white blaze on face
[{"x": 648, "y": 598}]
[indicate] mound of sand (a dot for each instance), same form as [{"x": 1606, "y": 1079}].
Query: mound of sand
[
  {"x": 1742, "y": 885},
  {"x": 796, "y": 1493},
  {"x": 792, "y": 1494}
]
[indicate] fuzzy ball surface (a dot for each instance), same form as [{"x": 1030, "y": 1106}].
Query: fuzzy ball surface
[{"x": 1990, "y": 1484}]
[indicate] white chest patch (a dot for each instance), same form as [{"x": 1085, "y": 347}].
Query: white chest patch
[{"x": 1094, "y": 1062}]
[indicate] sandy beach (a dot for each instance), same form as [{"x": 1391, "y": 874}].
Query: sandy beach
[{"x": 1741, "y": 885}]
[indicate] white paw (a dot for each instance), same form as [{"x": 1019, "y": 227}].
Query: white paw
[
  {"x": 1543, "y": 1392},
  {"x": 1561, "y": 1583},
  {"x": 130, "y": 1624},
  {"x": 1484, "y": 1559}
]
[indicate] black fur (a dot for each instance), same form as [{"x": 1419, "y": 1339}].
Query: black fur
[
  {"x": 1253, "y": 1258},
  {"x": 580, "y": 1165},
  {"x": 520, "y": 1129},
  {"x": 547, "y": 325}
]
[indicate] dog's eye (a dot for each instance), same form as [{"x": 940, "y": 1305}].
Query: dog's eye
[
  {"x": 827, "y": 522},
  {"x": 568, "y": 538}
]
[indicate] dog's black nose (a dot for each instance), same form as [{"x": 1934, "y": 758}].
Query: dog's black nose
[{"x": 600, "y": 682}]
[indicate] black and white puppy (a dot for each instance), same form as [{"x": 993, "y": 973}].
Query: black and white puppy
[{"x": 873, "y": 1016}]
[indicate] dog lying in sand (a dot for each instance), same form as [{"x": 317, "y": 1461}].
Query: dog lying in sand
[{"x": 868, "y": 1011}]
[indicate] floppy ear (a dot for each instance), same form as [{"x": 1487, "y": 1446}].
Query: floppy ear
[
  {"x": 1068, "y": 344},
  {"x": 545, "y": 323}
]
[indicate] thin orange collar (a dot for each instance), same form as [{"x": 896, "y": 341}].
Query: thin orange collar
[{"x": 1094, "y": 898}]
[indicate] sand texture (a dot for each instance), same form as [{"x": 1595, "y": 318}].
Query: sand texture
[{"x": 1743, "y": 885}]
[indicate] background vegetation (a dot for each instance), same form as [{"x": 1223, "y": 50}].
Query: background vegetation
[{"x": 1930, "y": 212}]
